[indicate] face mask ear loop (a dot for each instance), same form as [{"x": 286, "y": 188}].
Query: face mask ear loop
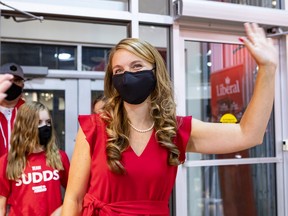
[{"x": 154, "y": 69}]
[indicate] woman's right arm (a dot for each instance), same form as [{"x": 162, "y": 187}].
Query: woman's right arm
[
  {"x": 3, "y": 205},
  {"x": 78, "y": 177}
]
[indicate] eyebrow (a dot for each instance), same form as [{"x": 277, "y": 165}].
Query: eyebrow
[
  {"x": 131, "y": 63},
  {"x": 49, "y": 119}
]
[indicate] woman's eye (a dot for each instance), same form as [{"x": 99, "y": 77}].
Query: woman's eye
[
  {"x": 117, "y": 71},
  {"x": 137, "y": 67}
]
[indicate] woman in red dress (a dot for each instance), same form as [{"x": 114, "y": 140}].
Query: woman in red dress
[{"x": 125, "y": 159}]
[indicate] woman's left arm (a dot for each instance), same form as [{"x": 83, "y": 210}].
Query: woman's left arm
[
  {"x": 57, "y": 212},
  {"x": 218, "y": 138},
  {"x": 3, "y": 201}
]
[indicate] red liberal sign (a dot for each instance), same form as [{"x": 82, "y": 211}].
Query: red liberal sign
[{"x": 227, "y": 94}]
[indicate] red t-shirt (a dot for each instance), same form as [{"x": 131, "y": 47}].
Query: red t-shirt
[
  {"x": 38, "y": 191},
  {"x": 146, "y": 186}
]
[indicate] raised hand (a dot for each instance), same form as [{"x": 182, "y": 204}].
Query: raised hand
[{"x": 261, "y": 48}]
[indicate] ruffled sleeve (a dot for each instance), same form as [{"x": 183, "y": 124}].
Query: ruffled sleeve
[
  {"x": 89, "y": 124},
  {"x": 183, "y": 135}
]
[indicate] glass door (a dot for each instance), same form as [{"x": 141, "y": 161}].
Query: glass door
[
  {"x": 61, "y": 97},
  {"x": 89, "y": 90},
  {"x": 66, "y": 99},
  {"x": 219, "y": 76}
]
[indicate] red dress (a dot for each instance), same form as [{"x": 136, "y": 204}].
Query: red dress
[
  {"x": 146, "y": 186},
  {"x": 38, "y": 191}
]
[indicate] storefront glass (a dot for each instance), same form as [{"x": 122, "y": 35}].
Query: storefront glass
[
  {"x": 220, "y": 80},
  {"x": 236, "y": 190},
  {"x": 219, "y": 83},
  {"x": 160, "y": 7},
  {"x": 258, "y": 3}
]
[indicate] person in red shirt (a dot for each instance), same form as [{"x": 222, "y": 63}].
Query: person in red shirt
[
  {"x": 126, "y": 157},
  {"x": 32, "y": 173},
  {"x": 10, "y": 104}
]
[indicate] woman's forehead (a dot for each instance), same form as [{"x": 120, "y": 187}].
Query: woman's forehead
[
  {"x": 43, "y": 114},
  {"x": 123, "y": 57}
]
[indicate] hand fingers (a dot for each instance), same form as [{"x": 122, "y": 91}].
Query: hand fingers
[
  {"x": 4, "y": 77},
  {"x": 261, "y": 48},
  {"x": 255, "y": 34},
  {"x": 2, "y": 96},
  {"x": 5, "y": 83},
  {"x": 250, "y": 32},
  {"x": 260, "y": 31}
]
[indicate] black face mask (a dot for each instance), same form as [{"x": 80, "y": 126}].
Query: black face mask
[
  {"x": 13, "y": 92},
  {"x": 45, "y": 133},
  {"x": 134, "y": 87}
]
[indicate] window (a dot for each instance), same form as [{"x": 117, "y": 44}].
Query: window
[
  {"x": 160, "y": 7},
  {"x": 220, "y": 80},
  {"x": 258, "y": 3},
  {"x": 51, "y": 56},
  {"x": 157, "y": 36},
  {"x": 116, "y": 5},
  {"x": 219, "y": 83},
  {"x": 94, "y": 58},
  {"x": 232, "y": 190}
]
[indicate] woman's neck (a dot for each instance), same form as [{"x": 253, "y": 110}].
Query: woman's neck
[
  {"x": 139, "y": 114},
  {"x": 38, "y": 149}
]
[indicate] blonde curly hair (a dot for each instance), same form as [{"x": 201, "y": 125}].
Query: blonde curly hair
[{"x": 162, "y": 109}]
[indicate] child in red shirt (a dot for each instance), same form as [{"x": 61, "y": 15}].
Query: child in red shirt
[{"x": 32, "y": 173}]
